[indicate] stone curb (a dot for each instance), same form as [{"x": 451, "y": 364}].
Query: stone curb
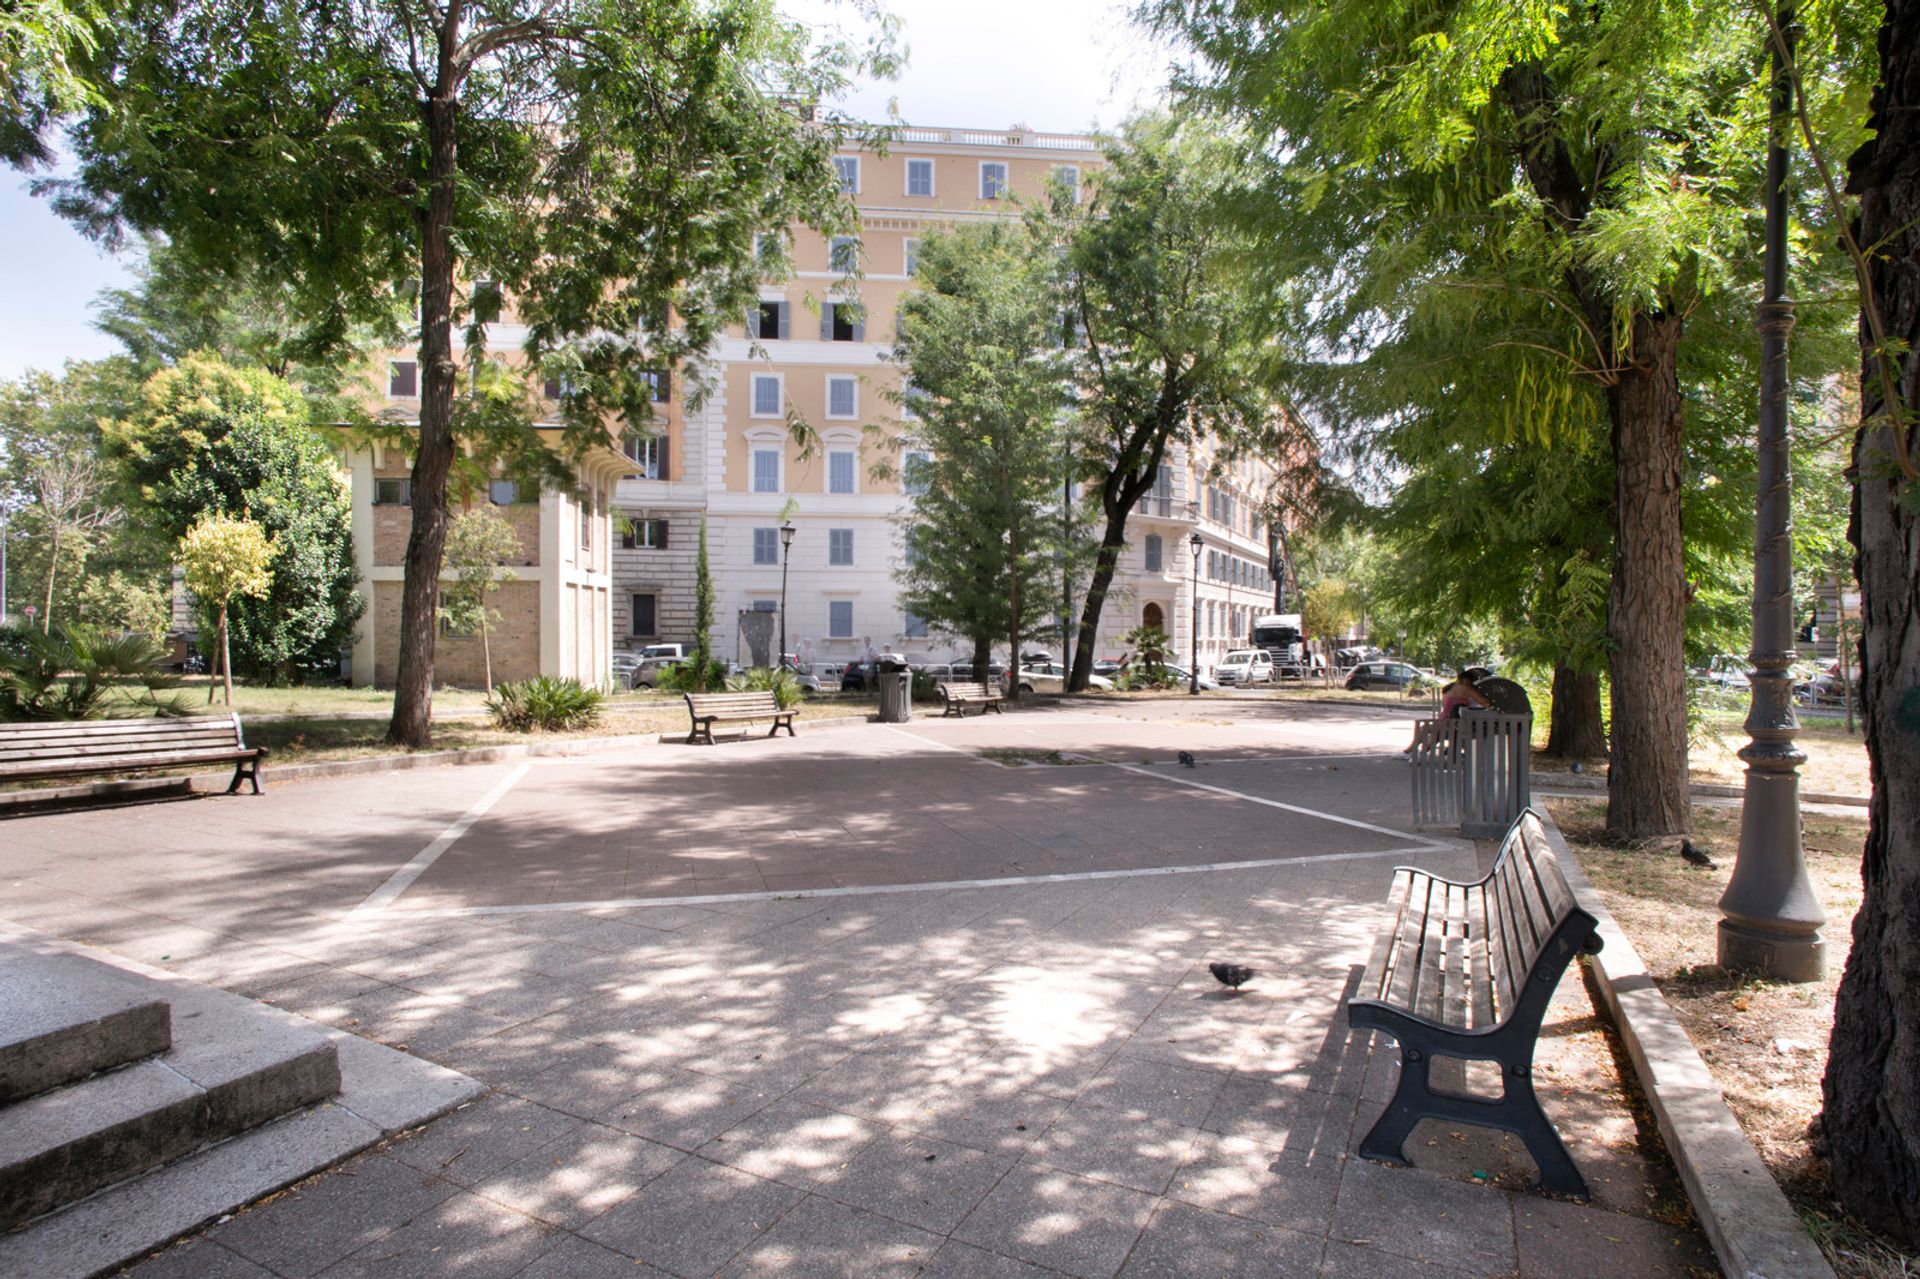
[
  {"x": 1753, "y": 1229},
  {"x": 1717, "y": 790}
]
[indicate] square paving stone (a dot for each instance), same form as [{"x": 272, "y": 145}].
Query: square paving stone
[
  {"x": 820, "y": 1239},
  {"x": 1183, "y": 1242},
  {"x": 467, "y": 1236},
  {"x": 480, "y": 1139},
  {"x": 1140, "y": 1151},
  {"x": 690, "y": 1222},
  {"x": 1060, "y": 1221},
  {"x": 303, "y": 1231},
  {"x": 1249, "y": 1179},
  {"x": 995, "y": 1118},
  {"x": 577, "y": 1258},
  {"x": 1418, "y": 1215},
  {"x": 919, "y": 1180},
  {"x": 793, "y": 1142},
  {"x": 576, "y": 1177},
  {"x": 957, "y": 1260},
  {"x": 1285, "y": 1116},
  {"x": 1361, "y": 1261},
  {"x": 1145, "y": 1086},
  {"x": 1558, "y": 1240},
  {"x": 199, "y": 1259},
  {"x": 686, "y": 1110}
]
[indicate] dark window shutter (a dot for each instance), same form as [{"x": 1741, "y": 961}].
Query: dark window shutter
[
  {"x": 660, "y": 531},
  {"x": 663, "y": 386},
  {"x": 785, "y": 317},
  {"x": 826, "y": 321},
  {"x": 661, "y": 456}
]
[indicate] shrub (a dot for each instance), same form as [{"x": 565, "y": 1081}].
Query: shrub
[
  {"x": 70, "y": 674},
  {"x": 544, "y": 703},
  {"x": 765, "y": 679},
  {"x": 680, "y": 678},
  {"x": 1146, "y": 676},
  {"x": 925, "y": 687}
]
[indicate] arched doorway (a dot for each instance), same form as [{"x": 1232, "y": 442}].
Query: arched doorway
[{"x": 1152, "y": 616}]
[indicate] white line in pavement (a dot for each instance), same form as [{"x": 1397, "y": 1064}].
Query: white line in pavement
[
  {"x": 944, "y": 886},
  {"x": 1274, "y": 803},
  {"x": 402, "y": 879}
]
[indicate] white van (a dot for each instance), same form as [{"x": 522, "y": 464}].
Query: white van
[{"x": 1245, "y": 666}]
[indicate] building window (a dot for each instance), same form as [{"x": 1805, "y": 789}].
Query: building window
[
  {"x": 766, "y": 546},
  {"x": 913, "y": 257},
  {"x": 843, "y": 397},
  {"x": 771, "y": 321},
  {"x": 915, "y": 626},
  {"x": 840, "y": 466},
  {"x": 847, "y": 169},
  {"x": 646, "y": 616},
  {"x": 993, "y": 179},
  {"x": 486, "y": 301},
  {"x": 769, "y": 252},
  {"x": 648, "y": 454},
  {"x": 766, "y": 470},
  {"x": 913, "y": 473},
  {"x": 586, "y": 527},
  {"x": 920, "y": 177},
  {"x": 840, "y": 547},
  {"x": 503, "y": 492},
  {"x": 403, "y": 379},
  {"x": 553, "y": 388},
  {"x": 839, "y": 619},
  {"x": 395, "y": 492},
  {"x": 1068, "y": 176},
  {"x": 842, "y": 322},
  {"x": 910, "y": 398},
  {"x": 765, "y": 606},
  {"x": 767, "y": 395},
  {"x": 644, "y": 535},
  {"x": 659, "y": 384},
  {"x": 1155, "y": 553},
  {"x": 844, "y": 256}
]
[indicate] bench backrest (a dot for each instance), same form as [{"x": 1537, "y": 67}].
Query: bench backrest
[
  {"x": 957, "y": 692},
  {"x": 121, "y": 738},
  {"x": 1528, "y": 907},
  {"x": 763, "y": 703}
]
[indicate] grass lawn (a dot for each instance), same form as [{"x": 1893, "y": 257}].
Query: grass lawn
[{"x": 1765, "y": 1042}]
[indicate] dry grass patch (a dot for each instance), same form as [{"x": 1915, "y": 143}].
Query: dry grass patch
[{"x": 1765, "y": 1042}]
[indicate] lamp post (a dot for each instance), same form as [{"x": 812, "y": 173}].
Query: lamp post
[
  {"x": 1769, "y": 918},
  {"x": 1194, "y": 543},
  {"x": 786, "y": 553}
]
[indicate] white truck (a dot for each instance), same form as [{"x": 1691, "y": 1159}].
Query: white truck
[{"x": 1280, "y": 635}]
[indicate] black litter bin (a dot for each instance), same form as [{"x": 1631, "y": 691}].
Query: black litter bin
[{"x": 896, "y": 690}]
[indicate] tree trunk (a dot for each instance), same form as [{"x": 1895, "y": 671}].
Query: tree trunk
[
  {"x": 53, "y": 566},
  {"x": 412, "y": 724},
  {"x": 1872, "y": 1089},
  {"x": 1105, "y": 562},
  {"x": 486, "y": 649},
  {"x": 1576, "y": 730},
  {"x": 1647, "y": 612},
  {"x": 226, "y": 658}
]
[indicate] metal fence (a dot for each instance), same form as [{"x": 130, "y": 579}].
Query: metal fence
[{"x": 1474, "y": 770}]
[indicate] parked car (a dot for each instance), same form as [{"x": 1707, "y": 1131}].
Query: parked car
[
  {"x": 1398, "y": 676},
  {"x": 1724, "y": 670},
  {"x": 1826, "y": 687},
  {"x": 655, "y": 658},
  {"x": 1051, "y": 677},
  {"x": 857, "y": 677},
  {"x": 1245, "y": 666},
  {"x": 1180, "y": 672}
]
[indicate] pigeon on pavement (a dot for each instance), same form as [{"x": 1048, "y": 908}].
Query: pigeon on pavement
[
  {"x": 1186, "y": 757},
  {"x": 1693, "y": 856},
  {"x": 1234, "y": 975}
]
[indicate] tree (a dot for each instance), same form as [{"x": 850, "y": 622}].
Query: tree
[
  {"x": 1522, "y": 214},
  {"x": 987, "y": 388},
  {"x": 1177, "y": 340},
  {"x": 40, "y": 42},
  {"x": 70, "y": 493},
  {"x": 604, "y": 164},
  {"x": 225, "y": 559},
  {"x": 703, "y": 616},
  {"x": 478, "y": 542},
  {"x": 208, "y": 438},
  {"x": 1872, "y": 1090}
]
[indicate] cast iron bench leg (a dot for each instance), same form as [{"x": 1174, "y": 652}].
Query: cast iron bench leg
[{"x": 1387, "y": 1140}]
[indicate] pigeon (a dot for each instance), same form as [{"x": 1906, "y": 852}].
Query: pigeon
[
  {"x": 1186, "y": 757},
  {"x": 1234, "y": 975},
  {"x": 1693, "y": 856}
]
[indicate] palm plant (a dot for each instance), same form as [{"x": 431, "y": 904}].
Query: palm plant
[{"x": 72, "y": 672}]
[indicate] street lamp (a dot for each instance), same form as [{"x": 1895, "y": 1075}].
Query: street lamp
[
  {"x": 1769, "y": 918},
  {"x": 1194, "y": 543},
  {"x": 786, "y": 553}
]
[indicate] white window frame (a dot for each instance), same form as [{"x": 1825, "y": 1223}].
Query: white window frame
[
  {"x": 907, "y": 394},
  {"x": 910, "y": 256},
  {"x": 853, "y": 469},
  {"x": 393, "y": 367},
  {"x": 853, "y": 385},
  {"x": 840, "y": 174},
  {"x": 1074, "y": 169},
  {"x": 835, "y": 535},
  {"x": 907, "y": 467},
  {"x": 779, "y": 381},
  {"x": 772, "y": 541},
  {"x": 933, "y": 178},
  {"x": 851, "y": 243},
  {"x": 754, "y": 450},
  {"x": 1006, "y": 179},
  {"x": 831, "y": 632},
  {"x": 644, "y": 452}
]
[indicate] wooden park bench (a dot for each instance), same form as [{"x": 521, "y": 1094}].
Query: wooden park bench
[
  {"x": 1465, "y": 970},
  {"x": 960, "y": 696},
  {"x": 40, "y": 750},
  {"x": 707, "y": 709}
]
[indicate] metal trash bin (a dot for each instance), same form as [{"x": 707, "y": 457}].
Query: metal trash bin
[{"x": 896, "y": 691}]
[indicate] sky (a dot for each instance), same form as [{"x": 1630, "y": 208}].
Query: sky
[{"x": 1059, "y": 66}]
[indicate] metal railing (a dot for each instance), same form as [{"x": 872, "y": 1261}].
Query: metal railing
[{"x": 1475, "y": 769}]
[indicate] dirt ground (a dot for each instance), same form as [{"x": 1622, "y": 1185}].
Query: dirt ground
[{"x": 1765, "y": 1042}]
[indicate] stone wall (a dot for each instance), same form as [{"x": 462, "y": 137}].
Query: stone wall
[
  {"x": 457, "y": 659},
  {"x": 668, "y": 574}
]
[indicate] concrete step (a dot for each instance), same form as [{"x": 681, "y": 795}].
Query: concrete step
[
  {"x": 233, "y": 1065},
  {"x": 64, "y": 1017}
]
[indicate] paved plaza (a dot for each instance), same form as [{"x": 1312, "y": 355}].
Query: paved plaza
[{"x": 865, "y": 1001}]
